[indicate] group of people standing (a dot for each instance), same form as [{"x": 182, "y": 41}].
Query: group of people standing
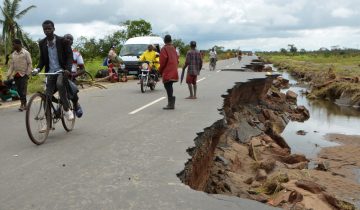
[
  {"x": 56, "y": 54},
  {"x": 169, "y": 60}
]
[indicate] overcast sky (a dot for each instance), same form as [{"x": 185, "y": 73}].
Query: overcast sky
[{"x": 245, "y": 24}]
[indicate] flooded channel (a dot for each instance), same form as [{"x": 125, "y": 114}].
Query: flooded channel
[{"x": 325, "y": 117}]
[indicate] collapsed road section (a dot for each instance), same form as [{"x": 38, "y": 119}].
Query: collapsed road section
[{"x": 244, "y": 154}]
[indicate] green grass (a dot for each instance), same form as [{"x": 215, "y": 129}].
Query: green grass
[
  {"x": 318, "y": 68},
  {"x": 36, "y": 84},
  {"x": 92, "y": 66},
  {"x": 343, "y": 65}
]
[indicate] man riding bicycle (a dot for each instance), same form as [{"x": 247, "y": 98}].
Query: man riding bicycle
[
  {"x": 239, "y": 54},
  {"x": 153, "y": 58},
  {"x": 213, "y": 56},
  {"x": 55, "y": 55}
]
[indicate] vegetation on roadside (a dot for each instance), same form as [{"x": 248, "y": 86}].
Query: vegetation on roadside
[
  {"x": 93, "y": 50},
  {"x": 344, "y": 63},
  {"x": 11, "y": 28},
  {"x": 332, "y": 74}
]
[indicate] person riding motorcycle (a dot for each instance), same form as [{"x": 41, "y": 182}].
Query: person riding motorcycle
[{"x": 151, "y": 56}]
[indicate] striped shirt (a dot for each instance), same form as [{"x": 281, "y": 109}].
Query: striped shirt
[{"x": 194, "y": 62}]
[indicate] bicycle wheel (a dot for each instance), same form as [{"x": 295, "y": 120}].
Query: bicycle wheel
[
  {"x": 37, "y": 121},
  {"x": 68, "y": 124},
  {"x": 85, "y": 80},
  {"x": 86, "y": 77}
]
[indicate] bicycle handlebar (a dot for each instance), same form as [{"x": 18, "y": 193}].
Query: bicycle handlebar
[{"x": 54, "y": 73}]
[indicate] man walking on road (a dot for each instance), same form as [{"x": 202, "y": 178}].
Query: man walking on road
[
  {"x": 169, "y": 61},
  {"x": 194, "y": 63},
  {"x": 19, "y": 70}
]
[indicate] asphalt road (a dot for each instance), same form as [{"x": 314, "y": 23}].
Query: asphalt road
[{"x": 124, "y": 153}]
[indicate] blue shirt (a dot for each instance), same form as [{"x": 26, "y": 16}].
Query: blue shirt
[{"x": 53, "y": 57}]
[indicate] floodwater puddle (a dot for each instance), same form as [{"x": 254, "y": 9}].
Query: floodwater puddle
[{"x": 325, "y": 117}]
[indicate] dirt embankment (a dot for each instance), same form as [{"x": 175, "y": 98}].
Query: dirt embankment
[
  {"x": 244, "y": 155},
  {"x": 343, "y": 160},
  {"x": 324, "y": 82}
]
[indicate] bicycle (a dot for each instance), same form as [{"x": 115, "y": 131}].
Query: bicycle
[
  {"x": 42, "y": 113},
  {"x": 212, "y": 64},
  {"x": 86, "y": 79},
  {"x": 86, "y": 76}
]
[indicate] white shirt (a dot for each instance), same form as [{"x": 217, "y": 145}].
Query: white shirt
[
  {"x": 212, "y": 54},
  {"x": 77, "y": 60}
]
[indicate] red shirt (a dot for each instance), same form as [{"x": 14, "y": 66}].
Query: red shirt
[{"x": 169, "y": 61}]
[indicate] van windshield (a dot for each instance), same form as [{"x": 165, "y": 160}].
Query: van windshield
[{"x": 133, "y": 49}]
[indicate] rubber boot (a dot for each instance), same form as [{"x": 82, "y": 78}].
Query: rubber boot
[
  {"x": 171, "y": 103},
  {"x": 195, "y": 87},
  {"x": 168, "y": 105}
]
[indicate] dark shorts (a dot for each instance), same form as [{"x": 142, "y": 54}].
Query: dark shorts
[{"x": 191, "y": 79}]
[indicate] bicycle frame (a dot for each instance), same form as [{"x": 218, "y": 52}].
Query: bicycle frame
[
  {"x": 54, "y": 111},
  {"x": 40, "y": 117},
  {"x": 50, "y": 109},
  {"x": 212, "y": 64}
]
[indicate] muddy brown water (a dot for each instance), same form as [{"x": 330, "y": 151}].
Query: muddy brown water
[{"x": 325, "y": 117}]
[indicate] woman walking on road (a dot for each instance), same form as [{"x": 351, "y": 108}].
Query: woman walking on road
[{"x": 169, "y": 61}]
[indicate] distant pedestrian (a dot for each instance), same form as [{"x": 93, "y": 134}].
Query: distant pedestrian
[
  {"x": 194, "y": 63},
  {"x": 239, "y": 55},
  {"x": 114, "y": 58},
  {"x": 169, "y": 61},
  {"x": 19, "y": 70}
]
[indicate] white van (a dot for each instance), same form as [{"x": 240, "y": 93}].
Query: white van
[{"x": 134, "y": 47}]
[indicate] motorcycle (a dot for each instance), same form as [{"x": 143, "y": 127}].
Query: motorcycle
[{"x": 147, "y": 79}]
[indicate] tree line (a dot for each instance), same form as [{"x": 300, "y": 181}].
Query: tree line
[{"x": 90, "y": 48}]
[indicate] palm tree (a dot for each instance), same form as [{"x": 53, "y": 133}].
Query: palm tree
[{"x": 11, "y": 28}]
